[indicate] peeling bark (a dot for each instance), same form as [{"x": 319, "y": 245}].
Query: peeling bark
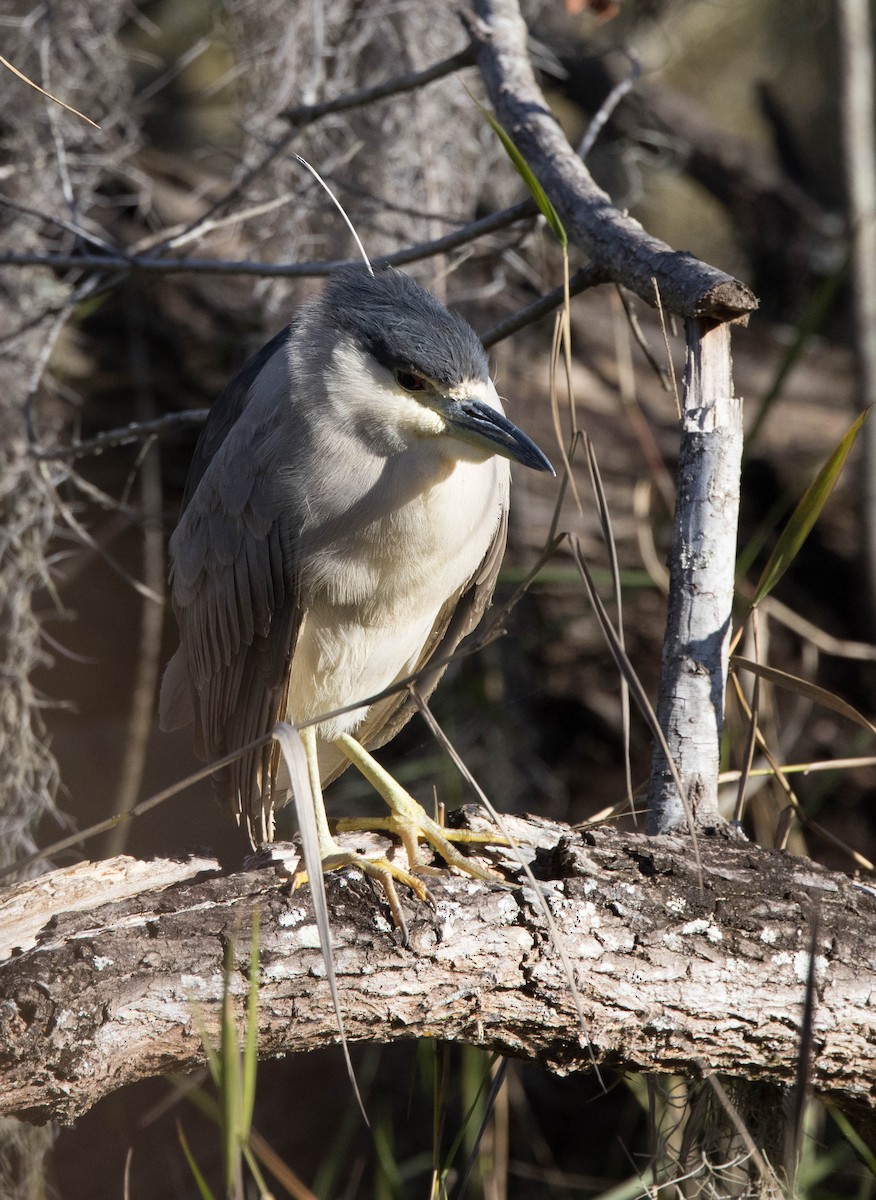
[
  {"x": 693, "y": 677},
  {"x": 672, "y": 977}
]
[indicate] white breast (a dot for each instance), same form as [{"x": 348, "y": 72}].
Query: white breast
[{"x": 373, "y": 593}]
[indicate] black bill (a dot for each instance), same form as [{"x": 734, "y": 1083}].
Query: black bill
[{"x": 476, "y": 422}]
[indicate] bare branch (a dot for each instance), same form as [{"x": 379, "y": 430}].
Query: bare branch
[
  {"x": 587, "y": 277},
  {"x": 612, "y": 239},
  {"x": 137, "y": 431},
  {"x": 216, "y": 266},
  {"x": 304, "y": 114},
  {"x": 96, "y": 999}
]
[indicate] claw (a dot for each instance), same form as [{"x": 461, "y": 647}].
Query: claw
[
  {"x": 383, "y": 872},
  {"x": 409, "y": 821},
  {"x": 415, "y": 824}
]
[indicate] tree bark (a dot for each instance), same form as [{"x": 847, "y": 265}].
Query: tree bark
[
  {"x": 701, "y": 575},
  {"x": 855, "y": 31},
  {"x": 614, "y": 240},
  {"x": 781, "y": 227},
  {"x": 109, "y": 963}
]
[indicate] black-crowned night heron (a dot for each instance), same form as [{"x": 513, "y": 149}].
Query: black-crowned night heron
[{"x": 342, "y": 526}]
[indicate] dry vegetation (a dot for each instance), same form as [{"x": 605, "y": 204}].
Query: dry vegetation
[{"x": 196, "y": 105}]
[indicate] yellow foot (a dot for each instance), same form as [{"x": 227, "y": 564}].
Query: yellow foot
[
  {"x": 379, "y": 869},
  {"x": 415, "y": 824}
]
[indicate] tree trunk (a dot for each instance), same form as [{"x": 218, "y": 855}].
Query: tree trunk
[{"x": 701, "y": 575}]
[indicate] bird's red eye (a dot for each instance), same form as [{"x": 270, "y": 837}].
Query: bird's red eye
[{"x": 409, "y": 381}]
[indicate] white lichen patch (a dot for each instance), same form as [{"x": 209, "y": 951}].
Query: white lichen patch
[
  {"x": 709, "y": 930},
  {"x": 616, "y": 939},
  {"x": 101, "y": 963},
  {"x": 676, "y": 904},
  {"x": 506, "y": 909},
  {"x": 549, "y": 891},
  {"x": 768, "y": 935},
  {"x": 453, "y": 918},
  {"x": 308, "y": 937},
  {"x": 587, "y": 947},
  {"x": 802, "y": 960},
  {"x": 510, "y": 945},
  {"x": 349, "y": 962},
  {"x": 192, "y": 984},
  {"x": 586, "y": 914},
  {"x": 294, "y": 916},
  {"x": 281, "y": 969},
  {"x": 661, "y": 1024},
  {"x": 170, "y": 1013},
  {"x": 447, "y": 914}
]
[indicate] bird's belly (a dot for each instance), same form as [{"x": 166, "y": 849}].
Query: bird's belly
[
  {"x": 337, "y": 663},
  {"x": 369, "y": 613}
]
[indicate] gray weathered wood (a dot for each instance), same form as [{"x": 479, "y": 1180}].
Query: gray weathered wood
[
  {"x": 701, "y": 575},
  {"x": 672, "y": 977},
  {"x": 614, "y": 240}
]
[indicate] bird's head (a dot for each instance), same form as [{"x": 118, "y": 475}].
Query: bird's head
[{"x": 395, "y": 359}]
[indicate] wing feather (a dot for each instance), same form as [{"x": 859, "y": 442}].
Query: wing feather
[{"x": 234, "y": 586}]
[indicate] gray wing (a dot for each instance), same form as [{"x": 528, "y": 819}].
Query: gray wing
[
  {"x": 455, "y": 621},
  {"x": 233, "y": 587},
  {"x": 226, "y": 410}
]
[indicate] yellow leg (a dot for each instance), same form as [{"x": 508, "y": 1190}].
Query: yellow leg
[
  {"x": 335, "y": 856},
  {"x": 409, "y": 820}
]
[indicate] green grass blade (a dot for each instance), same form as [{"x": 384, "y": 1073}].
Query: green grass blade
[
  {"x": 806, "y": 513},
  {"x": 203, "y": 1188},
  {"x": 523, "y": 169},
  {"x": 230, "y": 1089},
  {"x": 196, "y": 1096},
  {"x": 264, "y": 1190},
  {"x": 388, "y": 1180},
  {"x": 210, "y": 1053},
  {"x": 251, "y": 1046},
  {"x": 474, "y": 1162},
  {"x": 793, "y": 683},
  {"x": 860, "y": 1147},
  {"x": 469, "y": 1117}
]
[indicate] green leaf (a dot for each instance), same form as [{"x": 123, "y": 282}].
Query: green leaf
[
  {"x": 206, "y": 1194},
  {"x": 251, "y": 1046},
  {"x": 230, "y": 1087},
  {"x": 525, "y": 172},
  {"x": 210, "y": 1051},
  {"x": 793, "y": 683},
  {"x": 860, "y": 1147},
  {"x": 806, "y": 513},
  {"x": 252, "y": 1163}
]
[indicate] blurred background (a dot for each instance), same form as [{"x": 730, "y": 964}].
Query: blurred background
[{"x": 727, "y": 145}]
